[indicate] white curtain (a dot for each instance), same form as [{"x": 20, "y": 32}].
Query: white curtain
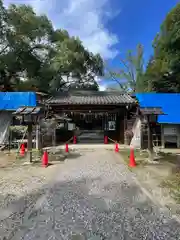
[
  {"x": 5, "y": 121},
  {"x": 136, "y": 140}
]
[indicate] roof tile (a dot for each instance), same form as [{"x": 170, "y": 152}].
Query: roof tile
[
  {"x": 168, "y": 102},
  {"x": 85, "y": 98}
]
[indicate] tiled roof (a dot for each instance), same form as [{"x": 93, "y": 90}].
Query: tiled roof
[
  {"x": 151, "y": 111},
  {"x": 91, "y": 98},
  {"x": 168, "y": 102}
]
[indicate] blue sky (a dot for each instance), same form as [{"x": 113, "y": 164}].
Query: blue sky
[
  {"x": 110, "y": 27},
  {"x": 138, "y": 22}
]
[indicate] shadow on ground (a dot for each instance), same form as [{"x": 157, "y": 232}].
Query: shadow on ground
[
  {"x": 7, "y": 162},
  {"x": 73, "y": 155},
  {"x": 84, "y": 209}
]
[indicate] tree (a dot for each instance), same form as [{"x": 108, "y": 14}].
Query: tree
[
  {"x": 35, "y": 56},
  {"x": 24, "y": 37},
  {"x": 129, "y": 76},
  {"x": 163, "y": 73},
  {"x": 73, "y": 64}
]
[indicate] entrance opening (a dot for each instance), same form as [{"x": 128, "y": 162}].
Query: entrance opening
[
  {"x": 91, "y": 126},
  {"x": 89, "y": 123}
]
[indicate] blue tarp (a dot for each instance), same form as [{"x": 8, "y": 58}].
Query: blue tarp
[
  {"x": 169, "y": 103},
  {"x": 14, "y": 100}
]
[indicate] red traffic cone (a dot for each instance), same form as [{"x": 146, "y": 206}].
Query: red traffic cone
[
  {"x": 45, "y": 159},
  {"x": 67, "y": 148},
  {"x": 22, "y": 150},
  {"x": 132, "y": 162},
  {"x": 105, "y": 140},
  {"x": 117, "y": 147},
  {"x": 74, "y": 140}
]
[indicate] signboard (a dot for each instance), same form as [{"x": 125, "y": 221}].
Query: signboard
[
  {"x": 111, "y": 125},
  {"x": 71, "y": 126}
]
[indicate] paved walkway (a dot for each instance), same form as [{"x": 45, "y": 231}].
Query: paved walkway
[{"x": 93, "y": 197}]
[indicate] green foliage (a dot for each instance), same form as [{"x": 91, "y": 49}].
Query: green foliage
[
  {"x": 162, "y": 73},
  {"x": 47, "y": 59},
  {"x": 129, "y": 77},
  {"x": 163, "y": 70}
]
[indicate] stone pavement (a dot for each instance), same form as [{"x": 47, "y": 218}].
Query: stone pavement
[{"x": 92, "y": 197}]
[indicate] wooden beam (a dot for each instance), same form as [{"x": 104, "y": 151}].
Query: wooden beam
[{"x": 29, "y": 133}]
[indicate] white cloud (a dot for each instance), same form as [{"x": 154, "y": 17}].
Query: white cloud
[
  {"x": 83, "y": 18},
  {"x": 102, "y": 88}
]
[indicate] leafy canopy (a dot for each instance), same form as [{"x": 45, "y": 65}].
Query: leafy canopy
[
  {"x": 130, "y": 72},
  {"x": 163, "y": 70},
  {"x": 33, "y": 55}
]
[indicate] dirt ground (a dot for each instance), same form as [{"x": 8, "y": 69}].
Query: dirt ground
[
  {"x": 92, "y": 195},
  {"x": 161, "y": 178},
  {"x": 18, "y": 177}
]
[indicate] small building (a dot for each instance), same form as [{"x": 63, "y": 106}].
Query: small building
[
  {"x": 166, "y": 130},
  {"x": 93, "y": 115},
  {"x": 9, "y": 103}
]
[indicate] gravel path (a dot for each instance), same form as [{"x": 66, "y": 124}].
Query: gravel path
[{"x": 92, "y": 197}]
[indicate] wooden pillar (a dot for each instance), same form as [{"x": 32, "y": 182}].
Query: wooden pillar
[
  {"x": 121, "y": 127},
  {"x": 142, "y": 133},
  {"x": 125, "y": 126},
  {"x": 162, "y": 136},
  {"x": 150, "y": 145},
  {"x": 29, "y": 133},
  {"x": 54, "y": 137},
  {"x": 9, "y": 139},
  {"x": 38, "y": 137}
]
